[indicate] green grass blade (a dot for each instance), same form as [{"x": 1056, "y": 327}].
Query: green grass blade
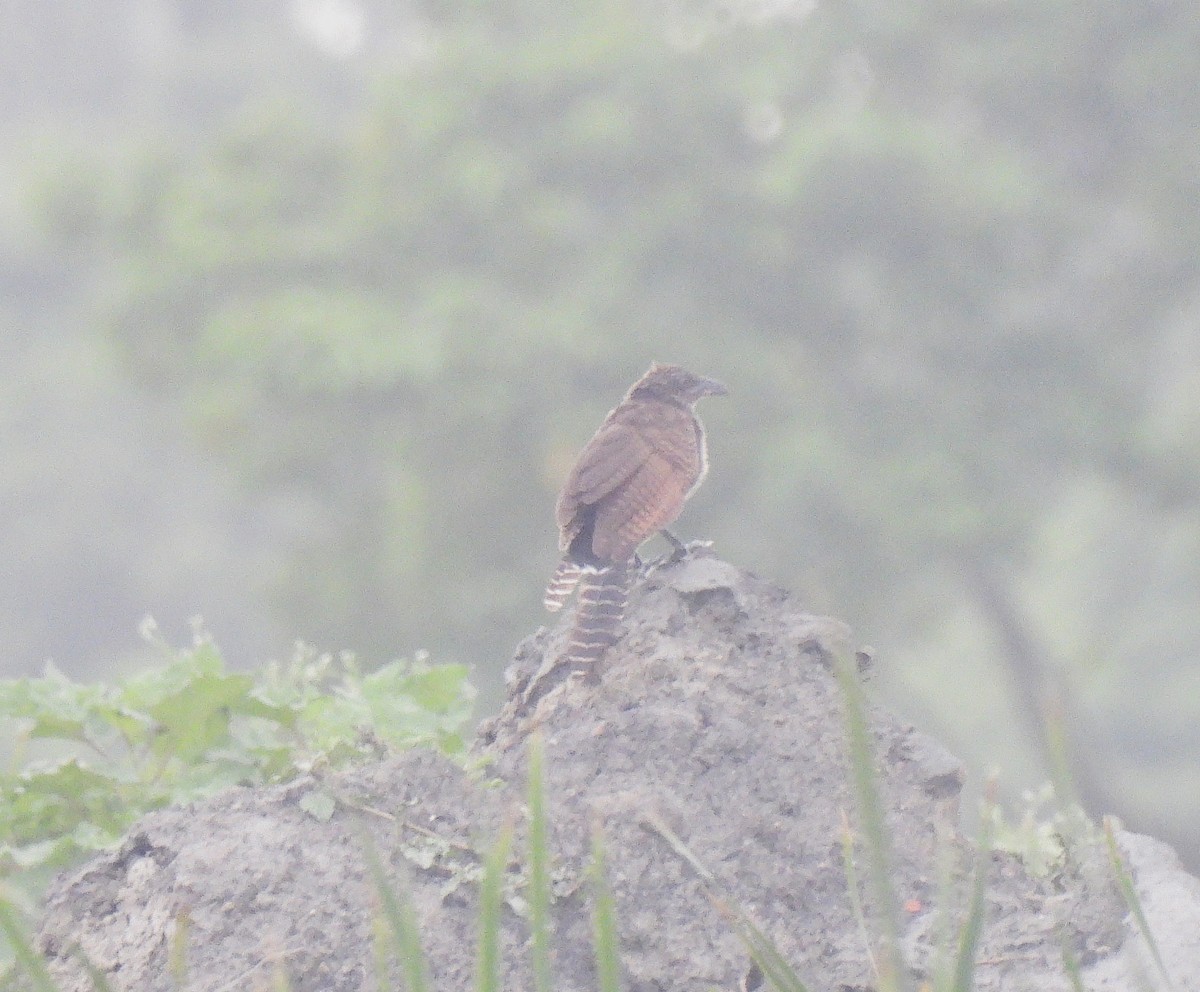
[
  {"x": 856, "y": 906},
  {"x": 604, "y": 926},
  {"x": 1058, "y": 753},
  {"x": 1129, "y": 894},
  {"x": 29, "y": 959},
  {"x": 766, "y": 955},
  {"x": 1071, "y": 966},
  {"x": 279, "y": 978},
  {"x": 177, "y": 949},
  {"x": 941, "y": 933},
  {"x": 401, "y": 921},
  {"x": 892, "y": 970},
  {"x": 972, "y": 927},
  {"x": 381, "y": 939},
  {"x": 539, "y": 867},
  {"x": 98, "y": 979},
  {"x": 759, "y": 946},
  {"x": 491, "y": 904}
]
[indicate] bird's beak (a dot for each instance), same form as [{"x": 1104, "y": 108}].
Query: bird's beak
[{"x": 711, "y": 387}]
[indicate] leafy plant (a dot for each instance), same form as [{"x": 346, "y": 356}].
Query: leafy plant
[
  {"x": 1045, "y": 832},
  {"x": 89, "y": 759}
]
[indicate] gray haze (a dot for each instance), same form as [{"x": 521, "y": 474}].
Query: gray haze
[{"x": 307, "y": 308}]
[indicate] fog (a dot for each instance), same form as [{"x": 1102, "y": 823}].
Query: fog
[{"x": 307, "y": 309}]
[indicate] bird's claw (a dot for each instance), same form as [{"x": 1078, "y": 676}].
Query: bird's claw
[{"x": 679, "y": 552}]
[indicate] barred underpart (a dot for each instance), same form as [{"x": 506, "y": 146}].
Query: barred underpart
[
  {"x": 566, "y": 577},
  {"x": 601, "y": 608}
]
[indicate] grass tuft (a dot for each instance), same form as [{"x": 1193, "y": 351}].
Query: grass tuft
[
  {"x": 604, "y": 919},
  {"x": 279, "y": 978},
  {"x": 1129, "y": 894},
  {"x": 852, "y": 890},
  {"x": 381, "y": 940},
  {"x": 1071, "y": 966},
  {"x": 177, "y": 948},
  {"x": 892, "y": 972},
  {"x": 396, "y": 934},
  {"x": 539, "y": 867},
  {"x": 491, "y": 905},
  {"x": 30, "y": 961},
  {"x": 761, "y": 949},
  {"x": 400, "y": 920},
  {"x": 972, "y": 926}
]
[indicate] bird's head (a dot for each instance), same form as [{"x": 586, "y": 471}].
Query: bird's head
[{"x": 674, "y": 383}]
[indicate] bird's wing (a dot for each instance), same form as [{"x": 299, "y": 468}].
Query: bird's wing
[
  {"x": 648, "y": 501},
  {"x": 606, "y": 462}
]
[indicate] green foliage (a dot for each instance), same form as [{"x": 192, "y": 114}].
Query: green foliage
[
  {"x": 1043, "y": 833},
  {"x": 568, "y": 194},
  {"x": 103, "y": 755},
  {"x": 13, "y": 933}
]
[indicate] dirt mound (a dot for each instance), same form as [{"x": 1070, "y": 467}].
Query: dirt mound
[{"x": 717, "y": 715}]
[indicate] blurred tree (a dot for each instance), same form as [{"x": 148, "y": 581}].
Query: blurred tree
[{"x": 942, "y": 257}]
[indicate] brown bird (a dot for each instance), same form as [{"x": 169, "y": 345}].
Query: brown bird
[{"x": 630, "y": 482}]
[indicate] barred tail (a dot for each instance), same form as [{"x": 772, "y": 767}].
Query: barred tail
[
  {"x": 598, "y": 620},
  {"x": 562, "y": 584}
]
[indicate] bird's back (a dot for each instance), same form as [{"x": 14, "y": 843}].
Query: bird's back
[{"x": 630, "y": 481}]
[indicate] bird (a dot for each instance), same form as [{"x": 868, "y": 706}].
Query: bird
[{"x": 629, "y": 483}]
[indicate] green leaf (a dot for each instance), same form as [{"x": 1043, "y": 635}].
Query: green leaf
[
  {"x": 318, "y": 804},
  {"x": 54, "y": 706},
  {"x": 189, "y": 728},
  {"x": 45, "y": 852},
  {"x": 50, "y": 801},
  {"x": 196, "y": 717}
]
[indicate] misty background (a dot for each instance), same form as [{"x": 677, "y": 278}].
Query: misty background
[{"x": 308, "y": 306}]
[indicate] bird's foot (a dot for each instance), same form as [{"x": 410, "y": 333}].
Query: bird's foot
[
  {"x": 678, "y": 548},
  {"x": 679, "y": 552}
]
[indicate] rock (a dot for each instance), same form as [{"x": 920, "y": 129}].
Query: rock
[
  {"x": 716, "y": 720},
  {"x": 1170, "y": 901}
]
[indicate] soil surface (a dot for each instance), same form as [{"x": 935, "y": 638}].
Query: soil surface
[{"x": 716, "y": 722}]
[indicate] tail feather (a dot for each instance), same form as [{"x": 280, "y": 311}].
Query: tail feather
[
  {"x": 601, "y": 609},
  {"x": 562, "y": 584}
]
